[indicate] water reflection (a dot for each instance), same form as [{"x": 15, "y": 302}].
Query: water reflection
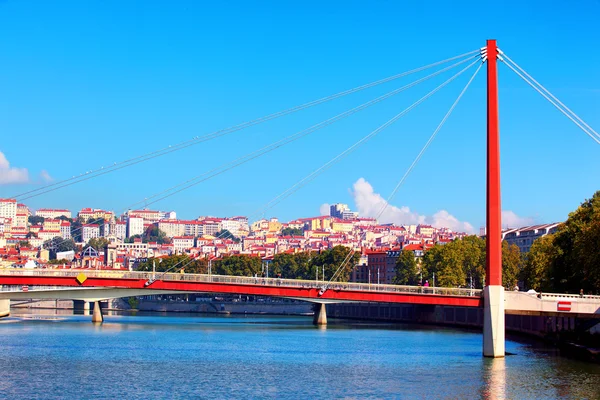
[
  {"x": 202, "y": 356},
  {"x": 494, "y": 378}
]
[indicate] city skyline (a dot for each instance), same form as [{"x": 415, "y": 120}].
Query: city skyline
[{"x": 103, "y": 103}]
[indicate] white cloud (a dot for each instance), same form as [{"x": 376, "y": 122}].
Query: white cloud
[
  {"x": 370, "y": 204},
  {"x": 324, "y": 209},
  {"x": 45, "y": 176},
  {"x": 512, "y": 220},
  {"x": 10, "y": 175}
]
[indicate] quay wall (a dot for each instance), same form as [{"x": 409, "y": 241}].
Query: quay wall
[{"x": 465, "y": 317}]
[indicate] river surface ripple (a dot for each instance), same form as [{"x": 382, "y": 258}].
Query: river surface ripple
[{"x": 160, "y": 356}]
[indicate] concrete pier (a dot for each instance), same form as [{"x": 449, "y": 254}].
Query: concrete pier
[
  {"x": 4, "y": 308},
  {"x": 320, "y": 317},
  {"x": 97, "y": 316},
  {"x": 493, "y": 321}
]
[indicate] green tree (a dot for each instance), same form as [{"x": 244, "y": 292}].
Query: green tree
[
  {"x": 23, "y": 243},
  {"x": 59, "y": 262},
  {"x": 98, "y": 243},
  {"x": 511, "y": 264},
  {"x": 34, "y": 220},
  {"x": 175, "y": 263},
  {"x": 57, "y": 244},
  {"x": 576, "y": 261},
  {"x": 538, "y": 263},
  {"x": 292, "y": 232},
  {"x": 225, "y": 234},
  {"x": 238, "y": 265},
  {"x": 153, "y": 234},
  {"x": 76, "y": 231},
  {"x": 406, "y": 269},
  {"x": 332, "y": 260}
]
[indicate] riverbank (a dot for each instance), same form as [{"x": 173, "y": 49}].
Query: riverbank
[{"x": 206, "y": 306}]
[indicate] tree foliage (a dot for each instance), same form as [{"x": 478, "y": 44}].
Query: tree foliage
[
  {"x": 225, "y": 234},
  {"x": 175, "y": 263},
  {"x": 150, "y": 234},
  {"x": 462, "y": 263},
  {"x": 511, "y": 264},
  {"x": 97, "y": 243},
  {"x": 406, "y": 269},
  {"x": 292, "y": 232},
  {"x": 291, "y": 266},
  {"x": 58, "y": 244},
  {"x": 568, "y": 260},
  {"x": 34, "y": 220}
]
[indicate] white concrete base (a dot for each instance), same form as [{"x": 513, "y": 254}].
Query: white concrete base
[
  {"x": 97, "y": 316},
  {"x": 493, "y": 321},
  {"x": 320, "y": 317},
  {"x": 4, "y": 308}
]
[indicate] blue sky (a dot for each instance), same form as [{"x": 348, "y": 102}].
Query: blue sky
[{"x": 85, "y": 84}]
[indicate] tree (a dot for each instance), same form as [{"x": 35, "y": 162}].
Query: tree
[
  {"x": 511, "y": 264},
  {"x": 292, "y": 232},
  {"x": 406, "y": 269},
  {"x": 98, "y": 243},
  {"x": 59, "y": 262},
  {"x": 153, "y": 234},
  {"x": 57, "y": 245},
  {"x": 332, "y": 260},
  {"x": 34, "y": 220},
  {"x": 239, "y": 265},
  {"x": 538, "y": 262},
  {"x": 175, "y": 263},
  {"x": 131, "y": 239},
  {"x": 225, "y": 234},
  {"x": 457, "y": 263},
  {"x": 575, "y": 263},
  {"x": 76, "y": 233},
  {"x": 23, "y": 243}
]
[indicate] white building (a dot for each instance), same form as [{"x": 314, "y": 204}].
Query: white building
[
  {"x": 120, "y": 230},
  {"x": 135, "y": 226},
  {"x": 8, "y": 209},
  {"x": 232, "y": 226},
  {"x": 89, "y": 231},
  {"x": 52, "y": 213},
  {"x": 182, "y": 243},
  {"x": 524, "y": 237},
  {"x": 342, "y": 211},
  {"x": 65, "y": 229}
]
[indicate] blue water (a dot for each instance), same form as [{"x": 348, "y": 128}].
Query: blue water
[{"x": 143, "y": 357}]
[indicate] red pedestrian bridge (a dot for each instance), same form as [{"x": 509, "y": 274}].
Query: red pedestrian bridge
[{"x": 96, "y": 285}]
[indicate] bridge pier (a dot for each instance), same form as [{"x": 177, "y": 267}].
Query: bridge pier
[
  {"x": 320, "y": 318},
  {"x": 97, "y": 316},
  {"x": 4, "y": 308},
  {"x": 493, "y": 293},
  {"x": 493, "y": 321}
]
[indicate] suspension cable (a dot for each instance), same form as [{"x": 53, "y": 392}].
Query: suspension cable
[
  {"x": 199, "y": 139},
  {"x": 305, "y": 132},
  {"x": 260, "y": 152},
  {"x": 590, "y": 134},
  {"x": 408, "y": 171},
  {"x": 357, "y": 144},
  {"x": 503, "y": 55},
  {"x": 257, "y": 153}
]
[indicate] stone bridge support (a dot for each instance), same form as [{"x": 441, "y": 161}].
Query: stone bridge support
[
  {"x": 97, "y": 316},
  {"x": 320, "y": 318},
  {"x": 4, "y": 308}
]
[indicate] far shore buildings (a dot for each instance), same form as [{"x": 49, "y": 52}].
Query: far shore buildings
[
  {"x": 204, "y": 237},
  {"x": 52, "y": 213},
  {"x": 524, "y": 237}
]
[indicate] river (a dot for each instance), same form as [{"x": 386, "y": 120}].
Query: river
[{"x": 181, "y": 356}]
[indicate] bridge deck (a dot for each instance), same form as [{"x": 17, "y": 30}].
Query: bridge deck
[{"x": 291, "y": 288}]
